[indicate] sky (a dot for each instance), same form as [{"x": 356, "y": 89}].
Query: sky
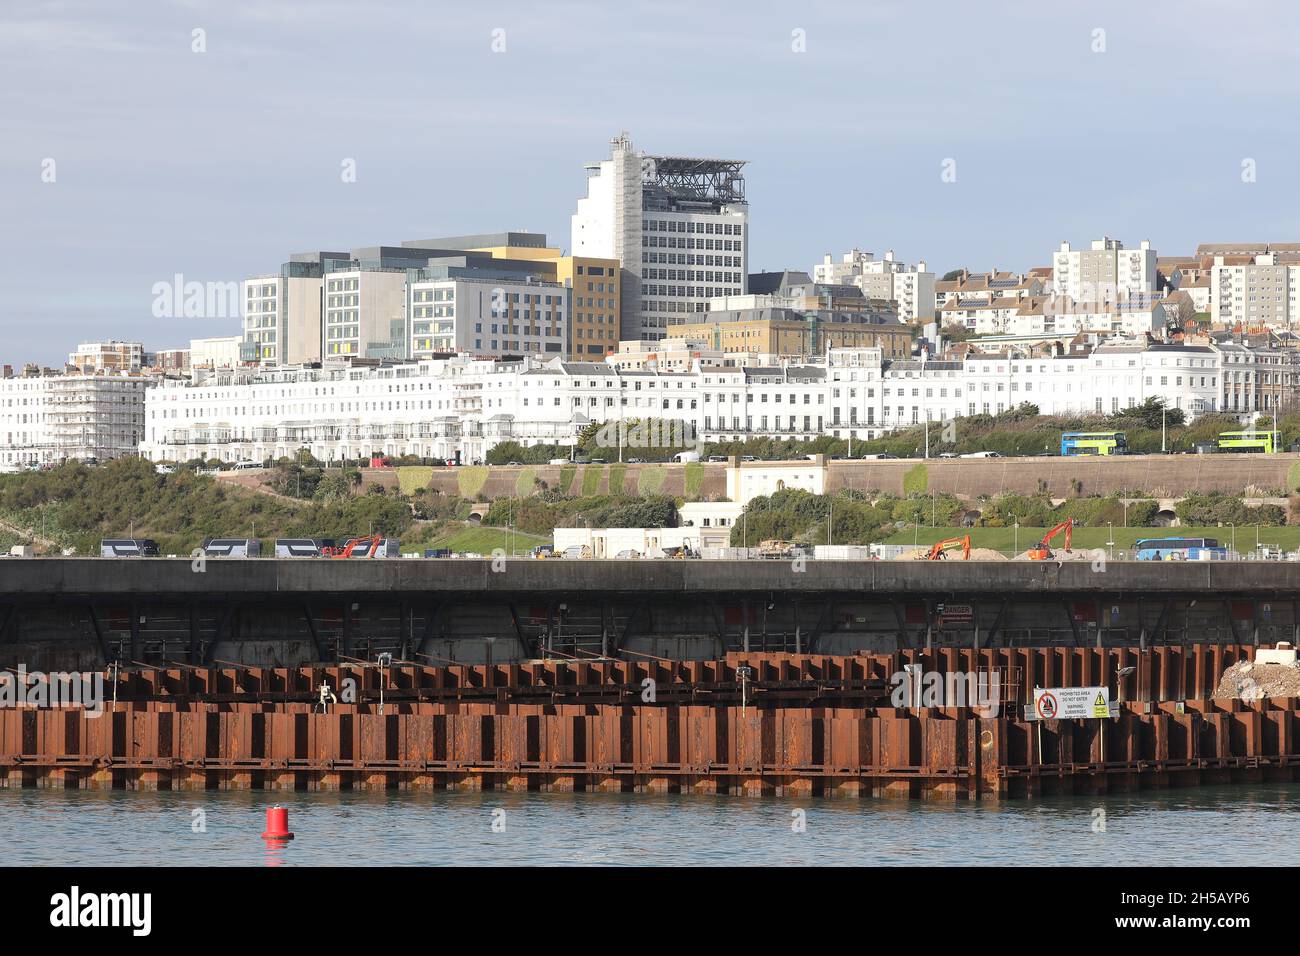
[{"x": 141, "y": 140}]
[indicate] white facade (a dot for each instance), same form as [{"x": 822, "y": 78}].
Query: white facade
[
  {"x": 214, "y": 353},
  {"x": 487, "y": 317},
  {"x": 1103, "y": 272},
  {"x": 47, "y": 419},
  {"x": 445, "y": 408}
]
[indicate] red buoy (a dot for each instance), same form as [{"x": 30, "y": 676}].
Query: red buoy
[{"x": 277, "y": 824}]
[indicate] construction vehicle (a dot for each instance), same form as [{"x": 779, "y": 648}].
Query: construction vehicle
[
  {"x": 775, "y": 548},
  {"x": 1043, "y": 550},
  {"x": 937, "y": 553},
  {"x": 368, "y": 547}
]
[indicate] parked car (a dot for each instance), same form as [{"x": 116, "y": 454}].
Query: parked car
[
  {"x": 246, "y": 465},
  {"x": 748, "y": 458},
  {"x": 165, "y": 469},
  {"x": 947, "y": 454},
  {"x": 636, "y": 461},
  {"x": 576, "y": 551},
  {"x": 716, "y": 458}
]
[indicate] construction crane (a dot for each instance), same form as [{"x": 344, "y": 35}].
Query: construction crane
[
  {"x": 371, "y": 543},
  {"x": 1043, "y": 551},
  {"x": 937, "y": 552}
]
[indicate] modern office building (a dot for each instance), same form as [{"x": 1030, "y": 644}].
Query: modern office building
[{"x": 677, "y": 225}]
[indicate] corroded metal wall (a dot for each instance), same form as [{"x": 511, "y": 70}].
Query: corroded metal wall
[{"x": 750, "y": 724}]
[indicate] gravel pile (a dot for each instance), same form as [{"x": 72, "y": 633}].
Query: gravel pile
[{"x": 1247, "y": 680}]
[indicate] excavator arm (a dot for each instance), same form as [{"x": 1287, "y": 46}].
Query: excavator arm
[
  {"x": 937, "y": 552},
  {"x": 1043, "y": 550}
]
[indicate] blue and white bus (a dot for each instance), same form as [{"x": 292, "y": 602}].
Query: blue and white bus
[{"x": 1179, "y": 549}]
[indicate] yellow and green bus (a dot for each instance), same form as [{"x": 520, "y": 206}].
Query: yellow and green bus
[
  {"x": 1093, "y": 443},
  {"x": 1247, "y": 441}
]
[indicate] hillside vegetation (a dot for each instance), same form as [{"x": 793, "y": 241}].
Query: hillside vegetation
[{"x": 75, "y": 506}]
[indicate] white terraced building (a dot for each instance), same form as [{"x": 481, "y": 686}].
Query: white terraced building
[
  {"x": 461, "y": 407},
  {"x": 52, "y": 418}
]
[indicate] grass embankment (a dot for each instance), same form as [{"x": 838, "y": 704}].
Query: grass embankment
[
  {"x": 487, "y": 540},
  {"x": 1010, "y": 541}
]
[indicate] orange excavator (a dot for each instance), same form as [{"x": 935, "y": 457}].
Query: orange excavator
[
  {"x": 369, "y": 544},
  {"x": 937, "y": 552},
  {"x": 1043, "y": 550}
]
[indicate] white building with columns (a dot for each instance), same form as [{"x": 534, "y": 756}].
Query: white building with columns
[{"x": 461, "y": 407}]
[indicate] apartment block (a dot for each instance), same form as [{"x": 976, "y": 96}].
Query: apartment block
[
  {"x": 1103, "y": 272},
  {"x": 910, "y": 288},
  {"x": 1261, "y": 291},
  {"x": 110, "y": 356}
]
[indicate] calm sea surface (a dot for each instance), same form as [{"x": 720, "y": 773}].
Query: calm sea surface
[{"x": 1248, "y": 825}]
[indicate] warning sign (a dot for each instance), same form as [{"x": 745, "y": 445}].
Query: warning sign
[{"x": 1071, "y": 703}]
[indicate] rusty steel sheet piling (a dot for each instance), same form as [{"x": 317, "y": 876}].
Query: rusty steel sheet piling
[{"x": 752, "y": 724}]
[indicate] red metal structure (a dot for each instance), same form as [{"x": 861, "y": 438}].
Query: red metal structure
[
  {"x": 370, "y": 542},
  {"x": 937, "y": 552},
  {"x": 1043, "y": 551}
]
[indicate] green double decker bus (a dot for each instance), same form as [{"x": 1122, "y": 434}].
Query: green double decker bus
[
  {"x": 1248, "y": 441},
  {"x": 1093, "y": 443}
]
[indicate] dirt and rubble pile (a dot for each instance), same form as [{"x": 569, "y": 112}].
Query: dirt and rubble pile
[
  {"x": 1078, "y": 554},
  {"x": 976, "y": 554},
  {"x": 1247, "y": 680}
]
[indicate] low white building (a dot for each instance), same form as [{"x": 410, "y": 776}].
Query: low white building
[
  {"x": 644, "y": 542},
  {"x": 214, "y": 353}
]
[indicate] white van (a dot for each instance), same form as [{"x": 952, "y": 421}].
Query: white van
[
  {"x": 684, "y": 456},
  {"x": 983, "y": 454}
]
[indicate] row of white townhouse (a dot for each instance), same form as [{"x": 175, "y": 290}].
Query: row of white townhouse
[{"x": 461, "y": 407}]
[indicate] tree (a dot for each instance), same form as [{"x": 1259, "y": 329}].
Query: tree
[
  {"x": 1180, "y": 309},
  {"x": 1150, "y": 414},
  {"x": 953, "y": 274}
]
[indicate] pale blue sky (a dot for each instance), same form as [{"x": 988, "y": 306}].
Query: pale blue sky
[{"x": 218, "y": 165}]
